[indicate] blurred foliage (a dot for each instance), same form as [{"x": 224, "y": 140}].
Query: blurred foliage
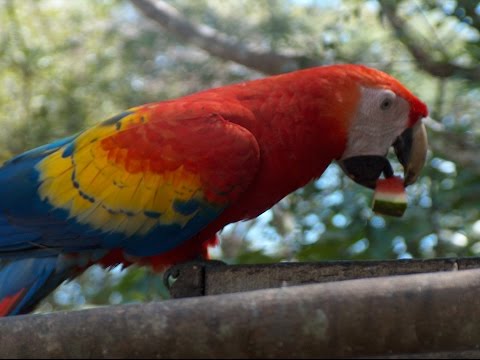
[{"x": 65, "y": 65}]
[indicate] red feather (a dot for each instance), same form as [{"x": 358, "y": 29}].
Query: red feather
[{"x": 7, "y": 303}]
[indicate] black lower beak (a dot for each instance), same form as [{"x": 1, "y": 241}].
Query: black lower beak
[
  {"x": 411, "y": 150},
  {"x": 403, "y": 147},
  {"x": 366, "y": 169}
]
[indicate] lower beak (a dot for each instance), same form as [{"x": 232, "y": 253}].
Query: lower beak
[{"x": 411, "y": 150}]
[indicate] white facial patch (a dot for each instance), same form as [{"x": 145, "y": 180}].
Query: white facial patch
[{"x": 380, "y": 118}]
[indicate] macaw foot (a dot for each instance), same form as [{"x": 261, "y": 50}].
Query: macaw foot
[{"x": 172, "y": 274}]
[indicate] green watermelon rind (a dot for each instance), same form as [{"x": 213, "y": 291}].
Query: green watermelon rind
[{"x": 392, "y": 208}]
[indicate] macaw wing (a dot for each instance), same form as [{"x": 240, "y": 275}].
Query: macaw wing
[{"x": 145, "y": 181}]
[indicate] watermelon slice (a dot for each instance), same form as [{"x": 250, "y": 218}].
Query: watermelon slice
[{"x": 390, "y": 197}]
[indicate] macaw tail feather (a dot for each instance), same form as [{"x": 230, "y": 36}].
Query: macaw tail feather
[{"x": 25, "y": 282}]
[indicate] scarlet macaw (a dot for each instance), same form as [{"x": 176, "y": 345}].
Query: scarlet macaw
[{"x": 154, "y": 184}]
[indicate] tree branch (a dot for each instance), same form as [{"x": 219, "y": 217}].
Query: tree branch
[
  {"x": 441, "y": 69},
  {"x": 217, "y": 43},
  {"x": 451, "y": 146}
]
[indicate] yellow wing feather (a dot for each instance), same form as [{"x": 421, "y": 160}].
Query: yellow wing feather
[{"x": 96, "y": 190}]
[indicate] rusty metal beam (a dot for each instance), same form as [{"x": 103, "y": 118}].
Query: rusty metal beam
[
  {"x": 402, "y": 315},
  {"x": 195, "y": 279}
]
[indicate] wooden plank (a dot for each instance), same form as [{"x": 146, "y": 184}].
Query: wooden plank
[{"x": 194, "y": 279}]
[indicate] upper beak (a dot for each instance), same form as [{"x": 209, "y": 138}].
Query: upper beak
[{"x": 411, "y": 150}]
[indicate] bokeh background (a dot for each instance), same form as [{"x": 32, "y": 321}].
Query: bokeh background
[{"x": 66, "y": 65}]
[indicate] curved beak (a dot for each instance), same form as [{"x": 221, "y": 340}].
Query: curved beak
[{"x": 411, "y": 150}]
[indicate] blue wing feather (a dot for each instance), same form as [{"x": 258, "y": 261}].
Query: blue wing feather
[
  {"x": 31, "y": 280},
  {"x": 28, "y": 224}
]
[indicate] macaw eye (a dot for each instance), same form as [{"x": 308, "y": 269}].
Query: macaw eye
[{"x": 386, "y": 104}]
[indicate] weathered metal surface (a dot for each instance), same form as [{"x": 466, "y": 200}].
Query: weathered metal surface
[
  {"x": 189, "y": 280},
  {"x": 411, "y": 314},
  {"x": 222, "y": 279}
]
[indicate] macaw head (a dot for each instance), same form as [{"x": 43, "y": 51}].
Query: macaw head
[{"x": 387, "y": 115}]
